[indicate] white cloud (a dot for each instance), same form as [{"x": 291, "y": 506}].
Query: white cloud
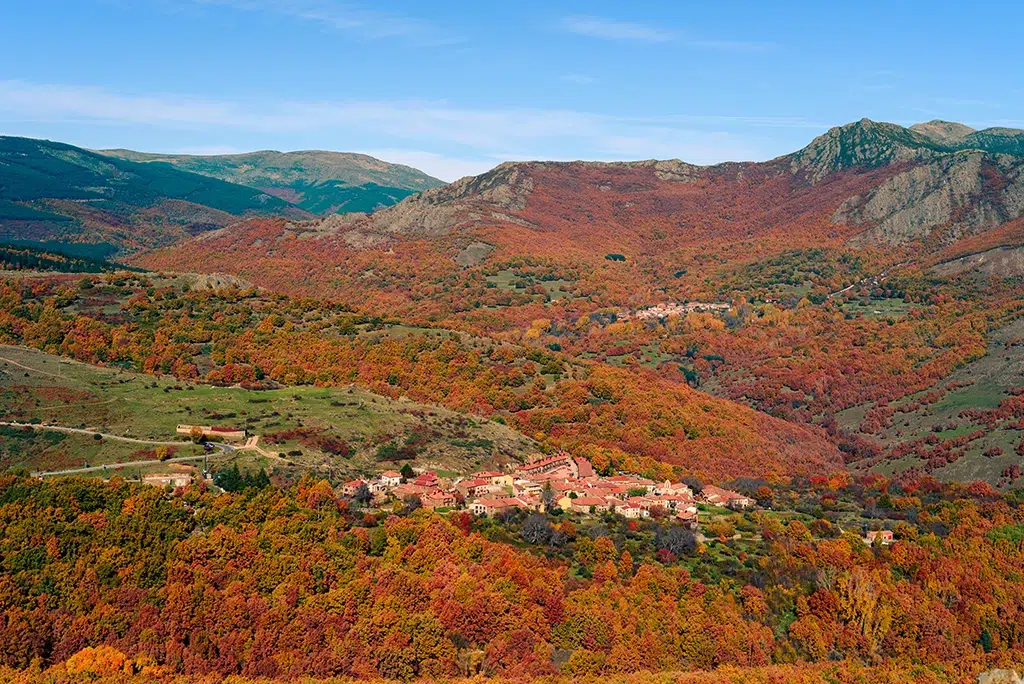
[
  {"x": 739, "y": 120},
  {"x": 614, "y": 29},
  {"x": 347, "y": 18},
  {"x": 444, "y": 140},
  {"x": 611, "y": 29}
]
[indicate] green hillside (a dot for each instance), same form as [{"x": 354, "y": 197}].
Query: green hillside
[
  {"x": 15, "y": 257},
  {"x": 318, "y": 181},
  {"x": 52, "y": 192},
  {"x": 312, "y": 429}
]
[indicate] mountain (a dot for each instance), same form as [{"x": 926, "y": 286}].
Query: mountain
[
  {"x": 865, "y": 185},
  {"x": 319, "y": 182},
  {"x": 931, "y": 185},
  {"x": 52, "y": 193},
  {"x": 863, "y": 144},
  {"x": 948, "y": 181},
  {"x": 816, "y": 276},
  {"x": 947, "y": 132},
  {"x": 996, "y": 140}
]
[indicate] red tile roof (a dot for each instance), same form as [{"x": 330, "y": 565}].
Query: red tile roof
[{"x": 589, "y": 501}]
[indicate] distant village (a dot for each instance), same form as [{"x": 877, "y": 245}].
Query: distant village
[
  {"x": 662, "y": 311},
  {"x": 561, "y": 481}
]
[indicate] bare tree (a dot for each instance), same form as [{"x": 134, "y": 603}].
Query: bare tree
[{"x": 536, "y": 529}]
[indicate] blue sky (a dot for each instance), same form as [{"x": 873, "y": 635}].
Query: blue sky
[{"x": 456, "y": 87}]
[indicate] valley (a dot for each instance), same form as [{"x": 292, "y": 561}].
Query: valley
[{"x": 311, "y": 415}]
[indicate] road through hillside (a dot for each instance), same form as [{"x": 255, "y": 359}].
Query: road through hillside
[{"x": 226, "y": 449}]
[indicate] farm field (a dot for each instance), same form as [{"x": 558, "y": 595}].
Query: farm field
[
  {"x": 883, "y": 307},
  {"x": 508, "y": 279}
]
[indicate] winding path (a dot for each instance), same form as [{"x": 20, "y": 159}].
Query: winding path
[
  {"x": 225, "y": 449},
  {"x": 876, "y": 279},
  {"x": 116, "y": 466}
]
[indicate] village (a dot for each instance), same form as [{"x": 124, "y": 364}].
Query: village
[
  {"x": 546, "y": 483},
  {"x": 559, "y": 482},
  {"x": 556, "y": 484},
  {"x": 662, "y": 311}
]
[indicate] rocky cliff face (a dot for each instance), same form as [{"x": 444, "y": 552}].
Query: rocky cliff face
[
  {"x": 442, "y": 210},
  {"x": 962, "y": 193}
]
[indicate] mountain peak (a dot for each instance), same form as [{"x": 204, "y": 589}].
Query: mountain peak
[
  {"x": 943, "y": 131},
  {"x": 864, "y": 144}
]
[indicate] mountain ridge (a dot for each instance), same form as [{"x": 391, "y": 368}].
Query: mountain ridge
[
  {"x": 319, "y": 181},
  {"x": 959, "y": 185},
  {"x": 866, "y": 186},
  {"x": 52, "y": 192},
  {"x": 943, "y": 130}
]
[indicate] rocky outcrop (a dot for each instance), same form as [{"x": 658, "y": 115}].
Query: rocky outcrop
[
  {"x": 946, "y": 132},
  {"x": 963, "y": 193},
  {"x": 473, "y": 254},
  {"x": 439, "y": 211},
  {"x": 215, "y": 282},
  {"x": 1000, "y": 677},
  {"x": 1001, "y": 262},
  {"x": 677, "y": 171},
  {"x": 865, "y": 144},
  {"x": 507, "y": 186}
]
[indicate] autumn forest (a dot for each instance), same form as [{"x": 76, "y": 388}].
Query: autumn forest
[{"x": 639, "y": 421}]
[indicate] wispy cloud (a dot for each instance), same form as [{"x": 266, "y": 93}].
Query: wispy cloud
[
  {"x": 980, "y": 111},
  {"x": 739, "y": 121},
  {"x": 611, "y": 29},
  {"x": 444, "y": 139},
  {"x": 356, "y": 21},
  {"x": 614, "y": 29}
]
